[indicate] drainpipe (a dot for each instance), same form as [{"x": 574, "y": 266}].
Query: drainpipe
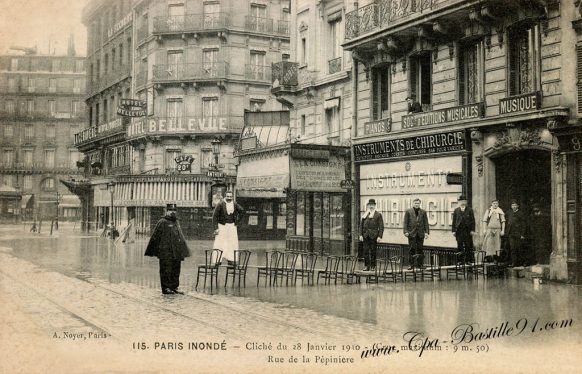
[{"x": 355, "y": 212}]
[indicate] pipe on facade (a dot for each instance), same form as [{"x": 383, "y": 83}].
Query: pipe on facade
[{"x": 355, "y": 232}]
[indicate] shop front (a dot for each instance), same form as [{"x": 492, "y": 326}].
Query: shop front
[{"x": 10, "y": 201}]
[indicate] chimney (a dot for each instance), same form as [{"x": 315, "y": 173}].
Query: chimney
[{"x": 71, "y": 46}]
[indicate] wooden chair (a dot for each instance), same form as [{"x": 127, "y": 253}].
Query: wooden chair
[
  {"x": 272, "y": 261},
  {"x": 347, "y": 269},
  {"x": 286, "y": 267},
  {"x": 396, "y": 268},
  {"x": 330, "y": 271},
  {"x": 307, "y": 267},
  {"x": 212, "y": 259},
  {"x": 238, "y": 267},
  {"x": 460, "y": 268}
]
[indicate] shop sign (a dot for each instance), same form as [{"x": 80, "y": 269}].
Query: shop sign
[
  {"x": 265, "y": 181},
  {"x": 119, "y": 25},
  {"x": 378, "y": 127},
  {"x": 184, "y": 162},
  {"x": 177, "y": 125},
  {"x": 131, "y": 108},
  {"x": 395, "y": 184},
  {"x": 147, "y": 202},
  {"x": 215, "y": 174},
  {"x": 520, "y": 103},
  {"x": 248, "y": 143},
  {"x": 347, "y": 184},
  {"x": 442, "y": 116},
  {"x": 116, "y": 123},
  {"x": 318, "y": 175},
  {"x": 310, "y": 154},
  {"x": 452, "y": 141}
]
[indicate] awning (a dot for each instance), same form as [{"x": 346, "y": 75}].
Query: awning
[
  {"x": 70, "y": 201},
  {"x": 27, "y": 201},
  {"x": 331, "y": 103}
]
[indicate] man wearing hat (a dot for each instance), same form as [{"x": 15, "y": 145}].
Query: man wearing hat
[
  {"x": 516, "y": 228},
  {"x": 169, "y": 246},
  {"x": 371, "y": 230},
  {"x": 413, "y": 106},
  {"x": 464, "y": 229}
]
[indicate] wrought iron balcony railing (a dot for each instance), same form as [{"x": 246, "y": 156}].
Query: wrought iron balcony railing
[
  {"x": 334, "y": 65},
  {"x": 26, "y": 115},
  {"x": 189, "y": 72},
  {"x": 258, "y": 73},
  {"x": 283, "y": 27},
  {"x": 258, "y": 24},
  {"x": 190, "y": 23},
  {"x": 284, "y": 73},
  {"x": 38, "y": 167}
]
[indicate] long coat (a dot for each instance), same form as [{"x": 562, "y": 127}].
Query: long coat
[
  {"x": 516, "y": 225},
  {"x": 467, "y": 217},
  {"x": 416, "y": 225},
  {"x": 372, "y": 227},
  {"x": 167, "y": 241}
]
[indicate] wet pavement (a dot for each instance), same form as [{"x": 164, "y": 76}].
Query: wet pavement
[{"x": 86, "y": 284}]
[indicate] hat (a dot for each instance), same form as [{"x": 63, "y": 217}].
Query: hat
[
  {"x": 171, "y": 206},
  {"x": 371, "y": 201},
  {"x": 462, "y": 197},
  {"x": 514, "y": 202}
]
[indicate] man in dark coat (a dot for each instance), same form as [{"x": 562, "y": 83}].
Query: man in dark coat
[
  {"x": 413, "y": 106},
  {"x": 540, "y": 240},
  {"x": 371, "y": 230},
  {"x": 515, "y": 229},
  {"x": 464, "y": 229},
  {"x": 416, "y": 229},
  {"x": 169, "y": 246}
]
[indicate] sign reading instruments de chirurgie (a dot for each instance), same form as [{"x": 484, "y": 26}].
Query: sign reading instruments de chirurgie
[
  {"x": 412, "y": 146},
  {"x": 131, "y": 108}
]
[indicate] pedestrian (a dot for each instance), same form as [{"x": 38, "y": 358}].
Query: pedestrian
[
  {"x": 416, "y": 229},
  {"x": 464, "y": 229},
  {"x": 540, "y": 240},
  {"x": 227, "y": 216},
  {"x": 515, "y": 230},
  {"x": 168, "y": 244},
  {"x": 413, "y": 106},
  {"x": 371, "y": 231},
  {"x": 494, "y": 220}
]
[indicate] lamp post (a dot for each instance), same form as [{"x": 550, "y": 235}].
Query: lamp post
[
  {"x": 57, "y": 216},
  {"x": 111, "y": 189}
]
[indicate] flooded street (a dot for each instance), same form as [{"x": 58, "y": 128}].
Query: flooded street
[{"x": 114, "y": 290}]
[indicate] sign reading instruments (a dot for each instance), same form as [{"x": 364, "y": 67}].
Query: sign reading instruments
[{"x": 412, "y": 146}]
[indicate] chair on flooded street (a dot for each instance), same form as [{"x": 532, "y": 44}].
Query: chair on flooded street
[
  {"x": 415, "y": 271},
  {"x": 330, "y": 271},
  {"x": 380, "y": 271},
  {"x": 306, "y": 267},
  {"x": 432, "y": 268},
  {"x": 212, "y": 259},
  {"x": 238, "y": 267},
  {"x": 269, "y": 270},
  {"x": 347, "y": 269},
  {"x": 286, "y": 266},
  {"x": 460, "y": 268},
  {"x": 396, "y": 268}
]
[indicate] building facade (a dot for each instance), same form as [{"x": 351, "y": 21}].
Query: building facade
[
  {"x": 196, "y": 67},
  {"x": 41, "y": 101},
  {"x": 497, "y": 86}
]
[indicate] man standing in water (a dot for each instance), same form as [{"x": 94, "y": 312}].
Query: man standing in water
[
  {"x": 227, "y": 215},
  {"x": 169, "y": 245}
]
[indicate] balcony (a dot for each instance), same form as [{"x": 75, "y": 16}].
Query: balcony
[
  {"x": 258, "y": 24},
  {"x": 284, "y": 74},
  {"x": 334, "y": 65},
  {"x": 258, "y": 73},
  {"x": 283, "y": 27},
  {"x": 191, "y": 23},
  {"x": 37, "y": 168},
  {"x": 387, "y": 13},
  {"x": 190, "y": 72},
  {"x": 40, "y": 115},
  {"x": 184, "y": 126},
  {"x": 26, "y": 90}
]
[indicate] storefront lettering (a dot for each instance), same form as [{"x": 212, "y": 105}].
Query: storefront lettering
[
  {"x": 178, "y": 125},
  {"x": 520, "y": 103},
  {"x": 377, "y": 127},
  {"x": 317, "y": 175},
  {"x": 417, "y": 145},
  {"x": 459, "y": 113}
]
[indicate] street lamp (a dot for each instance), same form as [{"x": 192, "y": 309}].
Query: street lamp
[
  {"x": 57, "y": 216},
  {"x": 111, "y": 189}
]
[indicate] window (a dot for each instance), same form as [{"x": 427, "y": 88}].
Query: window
[
  {"x": 421, "y": 80},
  {"x": 8, "y": 131},
  {"x": 31, "y": 85},
  {"x": 8, "y": 180},
  {"x": 381, "y": 92},
  {"x": 336, "y": 217},
  {"x": 97, "y": 69},
  {"x": 52, "y": 107},
  {"x": 11, "y": 84},
  {"x": 79, "y": 66},
  {"x": 284, "y": 24},
  {"x": 106, "y": 64},
  {"x": 209, "y": 108},
  {"x": 10, "y": 107},
  {"x": 74, "y": 129},
  {"x": 77, "y": 86},
  {"x": 56, "y": 65},
  {"x": 300, "y": 215},
  {"x": 27, "y": 182},
  {"x": 113, "y": 59},
  {"x": 105, "y": 111},
  {"x": 77, "y": 107},
  {"x": 13, "y": 64},
  {"x": 49, "y": 158},
  {"x": 27, "y": 156},
  {"x": 303, "y": 51},
  {"x": 257, "y": 66},
  {"x": 50, "y": 131},
  {"x": 8, "y": 157},
  {"x": 171, "y": 154},
  {"x": 174, "y": 109},
  {"x": 175, "y": 64},
  {"x": 48, "y": 184},
  {"x": 120, "y": 54},
  {"x": 257, "y": 105},
  {"x": 97, "y": 114},
  {"x": 30, "y": 106},
  {"x": 209, "y": 59},
  {"x": 332, "y": 120},
  {"x": 524, "y": 59},
  {"x": 211, "y": 15},
  {"x": 176, "y": 17},
  {"x": 471, "y": 61},
  {"x": 207, "y": 158},
  {"x": 303, "y": 124},
  {"x": 258, "y": 18},
  {"x": 28, "y": 131},
  {"x": 52, "y": 85},
  {"x": 142, "y": 157},
  {"x": 334, "y": 45}
]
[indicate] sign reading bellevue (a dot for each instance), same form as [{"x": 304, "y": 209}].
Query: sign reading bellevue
[{"x": 177, "y": 125}]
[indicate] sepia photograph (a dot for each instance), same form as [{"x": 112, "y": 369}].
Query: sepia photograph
[{"x": 291, "y": 186}]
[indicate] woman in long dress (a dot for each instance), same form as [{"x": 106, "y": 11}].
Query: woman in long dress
[{"x": 494, "y": 219}]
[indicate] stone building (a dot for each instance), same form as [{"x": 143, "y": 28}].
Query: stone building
[
  {"x": 41, "y": 108},
  {"x": 496, "y": 82}
]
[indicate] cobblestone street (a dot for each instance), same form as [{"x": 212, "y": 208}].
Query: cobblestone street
[{"x": 70, "y": 304}]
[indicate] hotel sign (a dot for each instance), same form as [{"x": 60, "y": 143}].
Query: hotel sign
[
  {"x": 382, "y": 126},
  {"x": 520, "y": 103},
  {"x": 435, "y": 117},
  {"x": 119, "y": 25},
  {"x": 131, "y": 108},
  {"x": 452, "y": 141},
  {"x": 161, "y": 126}
]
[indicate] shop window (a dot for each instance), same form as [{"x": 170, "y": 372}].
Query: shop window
[
  {"x": 282, "y": 216},
  {"x": 381, "y": 92},
  {"x": 471, "y": 61},
  {"x": 421, "y": 80},
  {"x": 268, "y": 214},
  {"x": 300, "y": 214},
  {"x": 317, "y": 214},
  {"x": 336, "y": 217},
  {"x": 524, "y": 59}
]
